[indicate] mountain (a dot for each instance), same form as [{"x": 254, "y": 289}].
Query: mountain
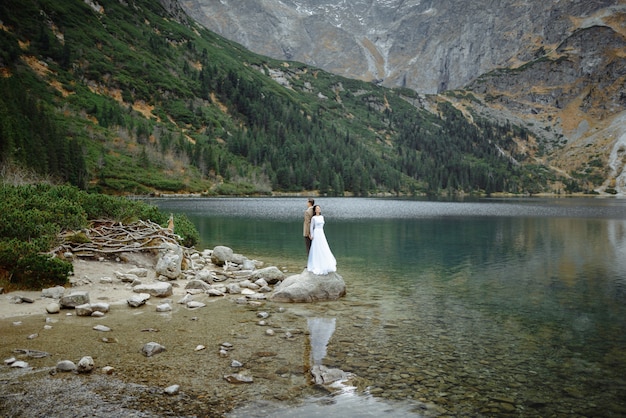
[
  {"x": 137, "y": 97},
  {"x": 554, "y": 67},
  {"x": 426, "y": 45}
]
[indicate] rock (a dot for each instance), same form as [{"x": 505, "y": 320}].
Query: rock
[
  {"x": 102, "y": 328},
  {"x": 247, "y": 284},
  {"x": 53, "y": 308},
  {"x": 198, "y": 284},
  {"x": 151, "y": 349},
  {"x": 205, "y": 275},
  {"x": 164, "y": 307},
  {"x": 185, "y": 299},
  {"x": 261, "y": 282},
  {"x": 272, "y": 275},
  {"x": 172, "y": 390},
  {"x": 309, "y": 287},
  {"x": 137, "y": 300},
  {"x": 221, "y": 255},
  {"x": 53, "y": 292},
  {"x": 236, "y": 364},
  {"x": 159, "y": 290},
  {"x": 238, "y": 259},
  {"x": 233, "y": 288},
  {"x": 88, "y": 309},
  {"x": 9, "y": 361},
  {"x": 127, "y": 277},
  {"x": 325, "y": 376},
  {"x": 248, "y": 265},
  {"x": 25, "y": 299},
  {"x": 85, "y": 365},
  {"x": 238, "y": 378},
  {"x": 108, "y": 370},
  {"x": 213, "y": 291},
  {"x": 194, "y": 304},
  {"x": 66, "y": 366},
  {"x": 139, "y": 272},
  {"x": 170, "y": 262},
  {"x": 74, "y": 299},
  {"x": 256, "y": 296},
  {"x": 19, "y": 364}
]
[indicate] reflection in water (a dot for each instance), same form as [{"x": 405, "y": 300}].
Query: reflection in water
[
  {"x": 460, "y": 304},
  {"x": 320, "y": 331}
]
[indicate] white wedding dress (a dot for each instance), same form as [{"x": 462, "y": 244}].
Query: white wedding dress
[{"x": 321, "y": 259}]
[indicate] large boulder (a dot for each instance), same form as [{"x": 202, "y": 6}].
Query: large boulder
[
  {"x": 170, "y": 263},
  {"x": 221, "y": 255},
  {"x": 309, "y": 287}
]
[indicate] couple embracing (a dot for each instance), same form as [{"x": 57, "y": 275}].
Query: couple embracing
[{"x": 321, "y": 259}]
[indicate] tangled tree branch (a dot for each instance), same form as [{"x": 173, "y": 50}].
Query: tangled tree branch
[{"x": 106, "y": 238}]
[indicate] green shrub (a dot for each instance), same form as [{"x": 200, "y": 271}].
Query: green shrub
[
  {"x": 32, "y": 216},
  {"x": 186, "y": 230}
]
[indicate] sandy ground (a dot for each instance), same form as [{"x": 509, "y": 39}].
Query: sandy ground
[
  {"x": 87, "y": 276},
  {"x": 278, "y": 364}
]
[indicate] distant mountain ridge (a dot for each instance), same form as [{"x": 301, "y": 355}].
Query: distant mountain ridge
[
  {"x": 555, "y": 67},
  {"x": 429, "y": 46}
]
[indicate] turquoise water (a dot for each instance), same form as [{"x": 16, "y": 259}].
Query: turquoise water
[{"x": 479, "y": 308}]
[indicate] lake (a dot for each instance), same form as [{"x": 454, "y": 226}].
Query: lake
[{"x": 481, "y": 308}]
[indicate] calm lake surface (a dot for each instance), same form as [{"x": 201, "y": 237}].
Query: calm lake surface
[{"x": 485, "y": 308}]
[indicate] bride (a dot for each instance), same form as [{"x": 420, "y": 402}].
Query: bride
[{"x": 321, "y": 259}]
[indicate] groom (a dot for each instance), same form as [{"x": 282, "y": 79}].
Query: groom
[{"x": 308, "y": 214}]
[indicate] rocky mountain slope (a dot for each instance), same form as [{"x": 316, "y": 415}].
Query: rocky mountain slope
[
  {"x": 557, "y": 67},
  {"x": 429, "y": 46}
]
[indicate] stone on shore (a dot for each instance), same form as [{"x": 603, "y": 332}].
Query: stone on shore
[
  {"x": 53, "y": 292},
  {"x": 136, "y": 301},
  {"x": 152, "y": 348},
  {"x": 170, "y": 262},
  {"x": 85, "y": 365},
  {"x": 53, "y": 308},
  {"x": 221, "y": 255},
  {"x": 74, "y": 299},
  {"x": 271, "y": 275},
  {"x": 158, "y": 290},
  {"x": 88, "y": 309},
  {"x": 66, "y": 366},
  {"x": 309, "y": 287}
]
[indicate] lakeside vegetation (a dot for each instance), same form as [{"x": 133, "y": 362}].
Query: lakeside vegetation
[
  {"x": 33, "y": 216},
  {"x": 126, "y": 98}
]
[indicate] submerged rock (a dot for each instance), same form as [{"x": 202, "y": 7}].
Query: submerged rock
[{"x": 238, "y": 378}]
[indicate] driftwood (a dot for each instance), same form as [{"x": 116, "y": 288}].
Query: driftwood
[{"x": 107, "y": 238}]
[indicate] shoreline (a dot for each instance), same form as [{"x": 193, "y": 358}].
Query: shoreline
[{"x": 193, "y": 359}]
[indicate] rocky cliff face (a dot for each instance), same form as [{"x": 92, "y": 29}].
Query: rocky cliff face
[{"x": 426, "y": 45}]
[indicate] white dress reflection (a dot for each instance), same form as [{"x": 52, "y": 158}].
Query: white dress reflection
[{"x": 320, "y": 331}]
